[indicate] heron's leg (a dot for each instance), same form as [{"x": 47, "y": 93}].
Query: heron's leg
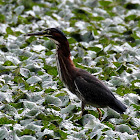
[
  {"x": 100, "y": 113},
  {"x": 82, "y": 107}
]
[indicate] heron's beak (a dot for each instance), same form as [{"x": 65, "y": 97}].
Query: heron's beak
[{"x": 42, "y": 33}]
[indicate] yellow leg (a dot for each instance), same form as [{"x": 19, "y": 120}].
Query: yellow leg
[{"x": 100, "y": 113}]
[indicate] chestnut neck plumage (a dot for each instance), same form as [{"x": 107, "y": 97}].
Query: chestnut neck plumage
[{"x": 65, "y": 65}]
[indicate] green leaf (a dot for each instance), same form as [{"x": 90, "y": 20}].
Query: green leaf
[
  {"x": 5, "y": 120},
  {"x": 121, "y": 69},
  {"x": 49, "y": 90},
  {"x": 122, "y": 90},
  {"x": 27, "y": 132},
  {"x": 16, "y": 105},
  {"x": 9, "y": 30},
  {"x": 8, "y": 63},
  {"x": 96, "y": 49},
  {"x": 105, "y": 3},
  {"x": 2, "y": 18},
  {"x": 137, "y": 107},
  {"x": 60, "y": 133},
  {"x": 51, "y": 70}
]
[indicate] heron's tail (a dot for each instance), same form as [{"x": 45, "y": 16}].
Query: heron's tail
[{"x": 118, "y": 106}]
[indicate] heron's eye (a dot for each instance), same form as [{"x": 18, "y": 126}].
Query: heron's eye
[{"x": 48, "y": 31}]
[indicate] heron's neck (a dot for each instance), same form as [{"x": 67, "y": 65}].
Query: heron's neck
[
  {"x": 63, "y": 48},
  {"x": 65, "y": 65}
]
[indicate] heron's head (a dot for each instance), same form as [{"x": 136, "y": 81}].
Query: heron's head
[{"x": 53, "y": 33}]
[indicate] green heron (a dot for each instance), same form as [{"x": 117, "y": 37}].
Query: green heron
[{"x": 88, "y": 88}]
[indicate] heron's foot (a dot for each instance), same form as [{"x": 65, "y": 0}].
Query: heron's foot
[{"x": 100, "y": 114}]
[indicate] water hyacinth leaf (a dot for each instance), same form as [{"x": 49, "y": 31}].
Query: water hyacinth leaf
[
  {"x": 25, "y": 122},
  {"x": 13, "y": 46},
  {"x": 33, "y": 67},
  {"x": 137, "y": 75},
  {"x": 14, "y": 60},
  {"x": 27, "y": 137},
  {"x": 19, "y": 80},
  {"x": 10, "y": 110},
  {"x": 19, "y": 9},
  {"x": 65, "y": 100},
  {"x": 24, "y": 72},
  {"x": 49, "y": 99},
  {"x": 3, "y": 133},
  {"x": 4, "y": 96},
  {"x": 29, "y": 105},
  {"x": 86, "y": 37},
  {"x": 22, "y": 20},
  {"x": 78, "y": 135},
  {"x": 51, "y": 70},
  {"x": 134, "y": 98},
  {"x": 60, "y": 134},
  {"x": 33, "y": 127},
  {"x": 33, "y": 80},
  {"x": 33, "y": 112},
  {"x": 8, "y": 63},
  {"x": 38, "y": 48},
  {"x": 97, "y": 133},
  {"x": 124, "y": 128},
  {"x": 41, "y": 116},
  {"x": 30, "y": 39},
  {"x": 137, "y": 107},
  {"x": 17, "y": 105},
  {"x": 2, "y": 19},
  {"x": 119, "y": 135},
  {"x": 5, "y": 120},
  {"x": 68, "y": 109},
  {"x": 48, "y": 133},
  {"x": 122, "y": 90},
  {"x": 97, "y": 128},
  {"x": 116, "y": 81},
  {"x": 121, "y": 69},
  {"x": 9, "y": 30},
  {"x": 49, "y": 90},
  {"x": 110, "y": 113},
  {"x": 15, "y": 137},
  {"x": 135, "y": 122},
  {"x": 97, "y": 48},
  {"x": 117, "y": 64},
  {"x": 87, "y": 118}
]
